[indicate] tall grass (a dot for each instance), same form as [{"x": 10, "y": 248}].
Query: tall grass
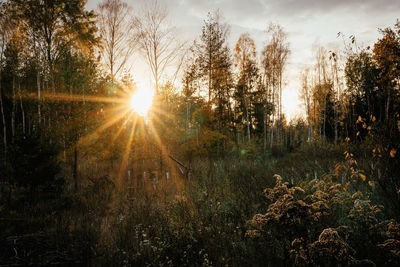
[{"x": 200, "y": 219}]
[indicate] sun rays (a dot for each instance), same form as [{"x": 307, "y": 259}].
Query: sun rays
[{"x": 128, "y": 125}]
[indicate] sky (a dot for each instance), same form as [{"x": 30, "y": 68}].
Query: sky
[{"x": 307, "y": 22}]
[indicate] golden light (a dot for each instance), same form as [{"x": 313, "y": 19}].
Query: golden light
[{"x": 141, "y": 101}]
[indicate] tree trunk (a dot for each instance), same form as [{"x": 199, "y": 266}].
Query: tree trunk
[
  {"x": 309, "y": 125},
  {"x": 209, "y": 87},
  {"x": 75, "y": 168},
  {"x": 280, "y": 131},
  {"x": 14, "y": 107},
  {"x": 22, "y": 109},
  {"x": 272, "y": 130},
  {"x": 324, "y": 125},
  {"x": 319, "y": 122},
  {"x": 248, "y": 123},
  {"x": 336, "y": 122},
  {"x": 265, "y": 131},
  {"x": 38, "y": 91},
  {"x": 156, "y": 75},
  {"x": 387, "y": 105},
  {"x": 273, "y": 113},
  {"x": 4, "y": 124}
]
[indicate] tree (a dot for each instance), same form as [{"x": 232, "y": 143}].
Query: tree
[
  {"x": 210, "y": 50},
  {"x": 337, "y": 79},
  {"x": 305, "y": 95},
  {"x": 13, "y": 61},
  {"x": 322, "y": 87},
  {"x": 274, "y": 59},
  {"x": 55, "y": 24},
  {"x": 156, "y": 39},
  {"x": 117, "y": 33},
  {"x": 52, "y": 31},
  {"x": 5, "y": 36},
  {"x": 245, "y": 61},
  {"x": 387, "y": 57},
  {"x": 361, "y": 79},
  {"x": 190, "y": 79},
  {"x": 35, "y": 170},
  {"x": 215, "y": 66}
]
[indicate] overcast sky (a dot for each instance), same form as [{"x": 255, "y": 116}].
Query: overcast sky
[{"x": 307, "y": 23}]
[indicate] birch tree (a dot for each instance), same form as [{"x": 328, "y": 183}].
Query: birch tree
[
  {"x": 117, "y": 32},
  {"x": 305, "y": 95},
  {"x": 274, "y": 57},
  {"x": 5, "y": 36},
  {"x": 156, "y": 40},
  {"x": 245, "y": 61}
]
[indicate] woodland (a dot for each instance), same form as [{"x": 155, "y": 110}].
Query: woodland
[{"x": 203, "y": 169}]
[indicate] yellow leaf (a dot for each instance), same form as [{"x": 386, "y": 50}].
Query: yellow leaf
[
  {"x": 373, "y": 118},
  {"x": 393, "y": 153},
  {"x": 362, "y": 176},
  {"x": 358, "y": 133}
]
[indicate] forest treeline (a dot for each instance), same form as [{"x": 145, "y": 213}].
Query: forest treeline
[{"x": 189, "y": 176}]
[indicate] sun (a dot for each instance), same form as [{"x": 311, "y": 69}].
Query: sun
[{"x": 141, "y": 101}]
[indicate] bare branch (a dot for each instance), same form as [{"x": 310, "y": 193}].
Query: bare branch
[
  {"x": 156, "y": 39},
  {"x": 117, "y": 33}
]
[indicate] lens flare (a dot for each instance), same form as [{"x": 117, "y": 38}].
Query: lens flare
[{"x": 141, "y": 101}]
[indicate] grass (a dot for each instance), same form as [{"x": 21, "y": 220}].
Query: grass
[{"x": 202, "y": 220}]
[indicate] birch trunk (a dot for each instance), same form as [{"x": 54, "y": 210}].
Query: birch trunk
[{"x": 265, "y": 131}]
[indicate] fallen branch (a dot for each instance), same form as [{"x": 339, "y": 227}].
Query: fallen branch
[{"x": 186, "y": 170}]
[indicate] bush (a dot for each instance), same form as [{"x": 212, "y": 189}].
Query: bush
[
  {"x": 34, "y": 165},
  {"x": 324, "y": 225}
]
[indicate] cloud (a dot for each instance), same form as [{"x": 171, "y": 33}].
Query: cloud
[
  {"x": 294, "y": 7},
  {"x": 307, "y": 22}
]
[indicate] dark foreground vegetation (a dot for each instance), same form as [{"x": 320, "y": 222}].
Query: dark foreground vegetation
[
  {"x": 238, "y": 213},
  {"x": 213, "y": 174}
]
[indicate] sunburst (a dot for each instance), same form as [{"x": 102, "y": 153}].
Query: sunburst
[{"x": 129, "y": 115}]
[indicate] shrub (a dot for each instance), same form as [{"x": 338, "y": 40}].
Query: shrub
[
  {"x": 34, "y": 165},
  {"x": 324, "y": 225}
]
